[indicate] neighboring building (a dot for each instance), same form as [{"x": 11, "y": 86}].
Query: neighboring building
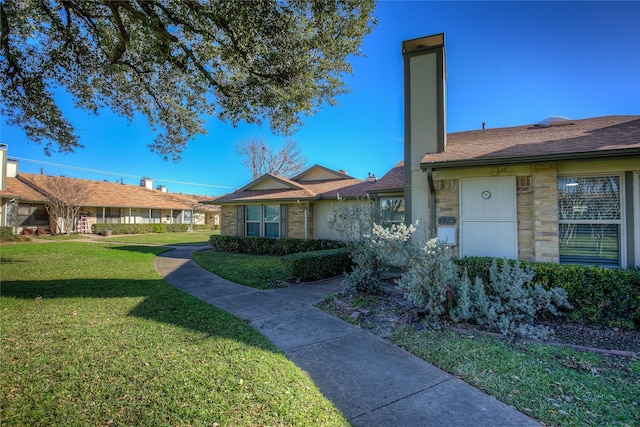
[
  {"x": 562, "y": 190},
  {"x": 301, "y": 207},
  {"x": 388, "y": 195},
  {"x": 23, "y": 199}
]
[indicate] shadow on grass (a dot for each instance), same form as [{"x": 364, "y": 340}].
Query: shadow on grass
[{"x": 161, "y": 302}]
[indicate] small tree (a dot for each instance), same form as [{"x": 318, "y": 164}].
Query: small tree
[
  {"x": 261, "y": 158},
  {"x": 65, "y": 197}
]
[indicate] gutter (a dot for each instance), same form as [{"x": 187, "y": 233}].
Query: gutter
[
  {"x": 492, "y": 161},
  {"x": 432, "y": 203}
]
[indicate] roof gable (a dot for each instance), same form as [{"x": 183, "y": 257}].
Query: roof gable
[
  {"x": 270, "y": 182},
  {"x": 319, "y": 173}
]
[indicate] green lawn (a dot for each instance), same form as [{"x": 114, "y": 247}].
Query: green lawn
[
  {"x": 257, "y": 271},
  {"x": 556, "y": 385},
  {"x": 199, "y": 237},
  {"x": 92, "y": 335}
]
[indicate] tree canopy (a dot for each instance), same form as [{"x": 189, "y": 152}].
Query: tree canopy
[
  {"x": 261, "y": 158},
  {"x": 175, "y": 62}
]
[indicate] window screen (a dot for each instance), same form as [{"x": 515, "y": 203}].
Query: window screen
[{"x": 589, "y": 216}]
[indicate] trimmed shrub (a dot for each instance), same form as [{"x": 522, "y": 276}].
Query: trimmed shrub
[
  {"x": 6, "y": 234},
  {"x": 269, "y": 245},
  {"x": 600, "y": 296},
  {"x": 316, "y": 265},
  {"x": 176, "y": 228},
  {"x": 139, "y": 228}
]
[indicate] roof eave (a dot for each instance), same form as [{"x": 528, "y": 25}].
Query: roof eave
[
  {"x": 284, "y": 199},
  {"x": 489, "y": 161}
]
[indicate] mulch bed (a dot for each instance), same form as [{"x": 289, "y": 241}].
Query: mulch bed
[{"x": 380, "y": 314}]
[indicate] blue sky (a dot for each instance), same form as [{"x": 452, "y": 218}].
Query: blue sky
[{"x": 508, "y": 64}]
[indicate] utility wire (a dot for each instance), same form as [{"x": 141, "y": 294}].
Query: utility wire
[{"x": 116, "y": 173}]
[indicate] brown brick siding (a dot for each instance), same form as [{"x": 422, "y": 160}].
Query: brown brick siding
[
  {"x": 295, "y": 227},
  {"x": 545, "y": 210},
  {"x": 448, "y": 203},
  {"x": 228, "y": 221},
  {"x": 525, "y": 218}
]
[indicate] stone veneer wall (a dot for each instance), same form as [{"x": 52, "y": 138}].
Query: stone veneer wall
[
  {"x": 448, "y": 203},
  {"x": 545, "y": 209}
]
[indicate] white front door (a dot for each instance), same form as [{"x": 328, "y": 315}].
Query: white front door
[{"x": 488, "y": 217}]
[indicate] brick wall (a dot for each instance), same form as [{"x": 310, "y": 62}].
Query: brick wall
[
  {"x": 545, "y": 212},
  {"x": 228, "y": 221},
  {"x": 448, "y": 203},
  {"x": 295, "y": 227},
  {"x": 524, "y": 189}
]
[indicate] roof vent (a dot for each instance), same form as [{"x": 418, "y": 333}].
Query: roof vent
[{"x": 554, "y": 121}]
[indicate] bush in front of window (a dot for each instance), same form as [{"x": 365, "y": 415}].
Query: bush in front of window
[
  {"x": 6, "y": 235},
  {"x": 139, "y": 228},
  {"x": 600, "y": 296},
  {"x": 269, "y": 245},
  {"x": 315, "y": 265}
]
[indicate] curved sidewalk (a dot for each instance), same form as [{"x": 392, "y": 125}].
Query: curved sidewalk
[{"x": 371, "y": 381}]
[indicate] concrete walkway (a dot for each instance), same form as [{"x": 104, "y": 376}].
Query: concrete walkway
[{"x": 373, "y": 382}]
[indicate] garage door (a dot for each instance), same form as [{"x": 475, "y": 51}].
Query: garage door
[{"x": 488, "y": 219}]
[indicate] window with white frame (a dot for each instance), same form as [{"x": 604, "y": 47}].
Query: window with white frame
[
  {"x": 392, "y": 210},
  {"x": 272, "y": 221},
  {"x": 590, "y": 219},
  {"x": 252, "y": 218},
  {"x": 265, "y": 220}
]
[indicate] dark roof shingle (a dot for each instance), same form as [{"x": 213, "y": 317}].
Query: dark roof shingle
[{"x": 588, "y": 138}]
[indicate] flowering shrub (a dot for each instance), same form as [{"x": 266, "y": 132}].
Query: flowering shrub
[{"x": 430, "y": 278}]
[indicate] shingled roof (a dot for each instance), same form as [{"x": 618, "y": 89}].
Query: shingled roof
[
  {"x": 391, "y": 181},
  {"x": 599, "y": 137},
  {"x": 108, "y": 194},
  {"x": 20, "y": 189},
  {"x": 269, "y": 188}
]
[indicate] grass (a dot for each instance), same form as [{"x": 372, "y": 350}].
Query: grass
[
  {"x": 92, "y": 335},
  {"x": 556, "y": 385},
  {"x": 257, "y": 271},
  {"x": 199, "y": 237},
  {"x": 58, "y": 237}
]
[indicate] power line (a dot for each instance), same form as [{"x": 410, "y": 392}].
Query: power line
[{"x": 116, "y": 173}]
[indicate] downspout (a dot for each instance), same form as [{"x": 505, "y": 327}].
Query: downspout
[
  {"x": 432, "y": 204},
  {"x": 306, "y": 222}
]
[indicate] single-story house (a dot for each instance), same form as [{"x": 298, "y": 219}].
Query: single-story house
[
  {"x": 23, "y": 199},
  {"x": 302, "y": 206},
  {"x": 560, "y": 190}
]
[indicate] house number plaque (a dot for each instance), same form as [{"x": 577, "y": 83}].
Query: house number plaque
[{"x": 447, "y": 220}]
